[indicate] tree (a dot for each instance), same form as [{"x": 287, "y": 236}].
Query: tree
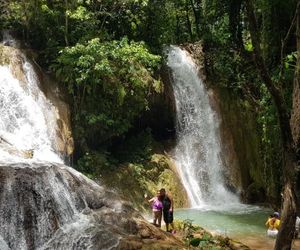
[
  {"x": 197, "y": 10},
  {"x": 296, "y": 94},
  {"x": 110, "y": 83},
  {"x": 286, "y": 232}
]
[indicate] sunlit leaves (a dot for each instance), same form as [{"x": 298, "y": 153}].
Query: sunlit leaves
[
  {"x": 80, "y": 13},
  {"x": 290, "y": 60},
  {"x": 110, "y": 82}
]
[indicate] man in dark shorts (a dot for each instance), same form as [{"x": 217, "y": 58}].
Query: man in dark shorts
[{"x": 167, "y": 202}]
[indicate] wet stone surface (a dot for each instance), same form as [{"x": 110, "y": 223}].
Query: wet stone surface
[{"x": 52, "y": 206}]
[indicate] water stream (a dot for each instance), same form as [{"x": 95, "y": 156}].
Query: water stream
[
  {"x": 28, "y": 120},
  {"x": 198, "y": 160},
  {"x": 197, "y": 152},
  {"x": 243, "y": 223},
  {"x": 45, "y": 204}
]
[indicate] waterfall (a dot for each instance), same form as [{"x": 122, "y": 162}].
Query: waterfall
[
  {"x": 28, "y": 120},
  {"x": 197, "y": 152},
  {"x": 44, "y": 204}
]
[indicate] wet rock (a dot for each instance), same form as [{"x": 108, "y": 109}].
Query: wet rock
[
  {"x": 52, "y": 206},
  {"x": 145, "y": 233},
  {"x": 159, "y": 172}
]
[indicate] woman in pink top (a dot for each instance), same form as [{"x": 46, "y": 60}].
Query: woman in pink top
[{"x": 157, "y": 209}]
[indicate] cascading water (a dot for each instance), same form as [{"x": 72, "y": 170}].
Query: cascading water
[
  {"x": 197, "y": 152},
  {"x": 43, "y": 203},
  {"x": 197, "y": 157},
  {"x": 28, "y": 119}
]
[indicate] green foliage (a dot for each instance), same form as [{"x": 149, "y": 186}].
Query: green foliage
[
  {"x": 50, "y": 25},
  {"x": 135, "y": 148},
  {"x": 290, "y": 60},
  {"x": 195, "y": 242},
  {"x": 270, "y": 144},
  {"x": 248, "y": 46},
  {"x": 94, "y": 162},
  {"x": 275, "y": 19},
  {"x": 188, "y": 229},
  {"x": 110, "y": 83},
  {"x": 229, "y": 52},
  {"x": 112, "y": 80}
]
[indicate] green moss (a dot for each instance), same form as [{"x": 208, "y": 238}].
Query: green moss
[
  {"x": 4, "y": 56},
  {"x": 241, "y": 119},
  {"x": 132, "y": 181}
]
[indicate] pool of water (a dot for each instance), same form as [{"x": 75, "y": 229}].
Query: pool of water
[
  {"x": 241, "y": 222},
  {"x": 237, "y": 220}
]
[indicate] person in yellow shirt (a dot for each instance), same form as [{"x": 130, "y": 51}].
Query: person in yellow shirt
[{"x": 273, "y": 224}]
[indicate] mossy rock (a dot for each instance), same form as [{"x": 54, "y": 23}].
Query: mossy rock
[
  {"x": 195, "y": 242},
  {"x": 4, "y": 55},
  {"x": 132, "y": 181},
  {"x": 14, "y": 59}
]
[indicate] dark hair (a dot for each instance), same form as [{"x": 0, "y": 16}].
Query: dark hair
[{"x": 162, "y": 190}]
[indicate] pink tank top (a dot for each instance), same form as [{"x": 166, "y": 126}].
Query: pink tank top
[{"x": 157, "y": 204}]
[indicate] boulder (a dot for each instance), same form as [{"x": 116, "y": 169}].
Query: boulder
[{"x": 52, "y": 206}]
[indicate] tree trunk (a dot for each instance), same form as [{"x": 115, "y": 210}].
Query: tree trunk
[
  {"x": 295, "y": 118},
  {"x": 286, "y": 232},
  {"x": 196, "y": 6},
  {"x": 289, "y": 209},
  {"x": 66, "y": 23},
  {"x": 235, "y": 23},
  {"x": 188, "y": 22}
]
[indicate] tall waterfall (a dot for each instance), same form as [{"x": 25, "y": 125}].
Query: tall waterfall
[
  {"x": 28, "y": 119},
  {"x": 197, "y": 152}
]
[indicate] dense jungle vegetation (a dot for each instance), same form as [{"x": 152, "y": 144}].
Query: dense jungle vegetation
[{"x": 108, "y": 55}]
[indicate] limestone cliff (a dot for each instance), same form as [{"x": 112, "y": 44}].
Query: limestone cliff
[{"x": 241, "y": 145}]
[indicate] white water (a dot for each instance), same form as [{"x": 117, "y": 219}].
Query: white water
[
  {"x": 28, "y": 119},
  {"x": 8, "y": 39},
  {"x": 197, "y": 153},
  {"x": 43, "y": 204}
]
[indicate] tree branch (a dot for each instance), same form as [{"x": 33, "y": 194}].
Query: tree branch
[
  {"x": 285, "y": 40},
  {"x": 287, "y": 228},
  {"x": 277, "y": 96}
]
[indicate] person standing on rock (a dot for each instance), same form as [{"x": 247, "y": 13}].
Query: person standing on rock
[
  {"x": 167, "y": 202},
  {"x": 157, "y": 207}
]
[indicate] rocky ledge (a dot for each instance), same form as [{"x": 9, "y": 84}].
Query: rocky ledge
[{"x": 52, "y": 206}]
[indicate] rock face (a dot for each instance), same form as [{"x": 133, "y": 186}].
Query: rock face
[
  {"x": 54, "y": 94},
  {"x": 133, "y": 181},
  {"x": 47, "y": 206},
  {"x": 241, "y": 144}
]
